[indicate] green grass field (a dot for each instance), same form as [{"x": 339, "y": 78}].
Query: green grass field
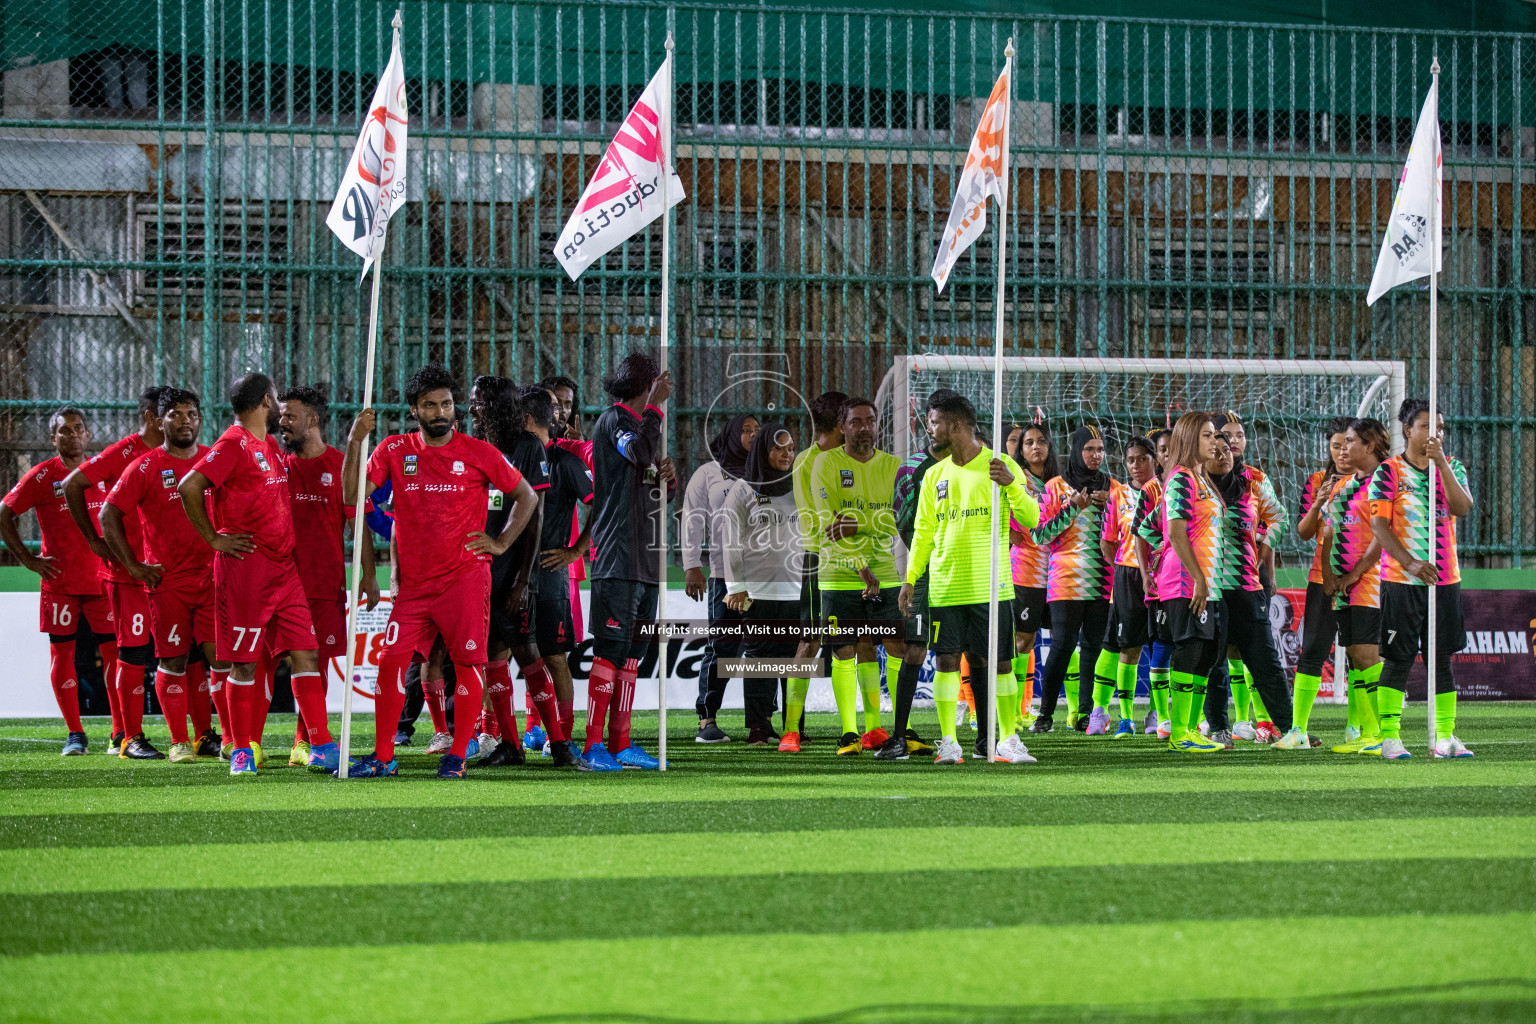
[{"x": 1112, "y": 881}]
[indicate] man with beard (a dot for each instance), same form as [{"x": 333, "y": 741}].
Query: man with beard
[
  {"x": 180, "y": 584},
  {"x": 442, "y": 480},
  {"x": 257, "y": 594},
  {"x": 321, "y": 522}
]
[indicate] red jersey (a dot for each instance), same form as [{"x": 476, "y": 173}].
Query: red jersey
[
  {"x": 320, "y": 518},
  {"x": 440, "y": 496},
  {"x": 250, "y": 490},
  {"x": 106, "y": 468},
  {"x": 148, "y": 489},
  {"x": 42, "y": 488}
]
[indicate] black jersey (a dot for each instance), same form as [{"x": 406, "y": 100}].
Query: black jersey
[
  {"x": 528, "y": 458},
  {"x": 570, "y": 484},
  {"x": 625, "y": 498}
]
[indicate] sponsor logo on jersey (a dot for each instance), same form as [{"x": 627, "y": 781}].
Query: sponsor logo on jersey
[
  {"x": 331, "y": 639},
  {"x": 261, "y": 460},
  {"x": 326, "y": 479},
  {"x": 469, "y": 645},
  {"x": 847, "y": 475},
  {"x": 942, "y": 487},
  {"x": 58, "y": 488},
  {"x": 167, "y": 478},
  {"x": 458, "y": 466},
  {"x": 496, "y": 498},
  {"x": 410, "y": 465},
  {"x": 543, "y": 468},
  {"x": 623, "y": 441}
]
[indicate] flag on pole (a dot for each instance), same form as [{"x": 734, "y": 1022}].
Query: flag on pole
[
  {"x": 375, "y": 176},
  {"x": 625, "y": 192},
  {"x": 1411, "y": 237},
  {"x": 981, "y": 177}
]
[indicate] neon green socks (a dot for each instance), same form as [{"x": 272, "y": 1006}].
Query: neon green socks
[
  {"x": 1159, "y": 681},
  {"x": 1260, "y": 714},
  {"x": 1125, "y": 689},
  {"x": 1182, "y": 690},
  {"x": 1238, "y": 678},
  {"x": 1020, "y": 667},
  {"x": 1104, "y": 676},
  {"x": 1303, "y": 697},
  {"x": 1389, "y": 707},
  {"x": 868, "y": 673},
  {"x": 946, "y": 695},
  {"x": 1074, "y": 678},
  {"x": 1353, "y": 694},
  {"x": 1445, "y": 713},
  {"x": 794, "y": 702},
  {"x": 845, "y": 683},
  {"x": 1365, "y": 704},
  {"x": 1008, "y": 705}
]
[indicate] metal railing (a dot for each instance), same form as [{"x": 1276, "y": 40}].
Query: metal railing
[{"x": 1181, "y": 189}]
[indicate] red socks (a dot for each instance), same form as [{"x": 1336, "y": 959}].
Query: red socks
[
  {"x": 466, "y": 704},
  {"x": 66, "y": 688},
  {"x": 498, "y": 683},
  {"x": 541, "y": 694},
  {"x": 266, "y": 669},
  {"x": 387, "y": 704},
  {"x": 130, "y": 697},
  {"x": 623, "y": 702},
  {"x": 600, "y": 685},
  {"x": 171, "y": 688},
  {"x": 199, "y": 700},
  {"x": 565, "y": 710},
  {"x": 309, "y": 695},
  {"x": 244, "y": 698},
  {"x": 434, "y": 693},
  {"x": 218, "y": 689}
]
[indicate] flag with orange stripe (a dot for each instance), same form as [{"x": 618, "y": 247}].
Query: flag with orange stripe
[{"x": 980, "y": 178}]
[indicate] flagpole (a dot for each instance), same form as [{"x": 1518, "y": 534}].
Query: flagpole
[
  {"x": 1434, "y": 411},
  {"x": 666, "y": 318},
  {"x": 994, "y": 665}
]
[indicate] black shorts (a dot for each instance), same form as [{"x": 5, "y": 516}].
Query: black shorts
[
  {"x": 554, "y": 626},
  {"x": 810, "y": 593},
  {"x": 1030, "y": 612},
  {"x": 1358, "y": 624},
  {"x": 617, "y": 608},
  {"x": 1127, "y": 611},
  {"x": 1184, "y": 625},
  {"x": 1405, "y": 619},
  {"x": 1247, "y": 606},
  {"x": 918, "y": 622},
  {"x": 1319, "y": 626},
  {"x": 518, "y": 630},
  {"x": 848, "y": 613},
  {"x": 1157, "y": 624},
  {"x": 962, "y": 629}
]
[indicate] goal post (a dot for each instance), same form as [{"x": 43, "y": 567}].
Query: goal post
[{"x": 1285, "y": 405}]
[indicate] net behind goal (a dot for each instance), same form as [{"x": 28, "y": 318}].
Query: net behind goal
[{"x": 1284, "y": 404}]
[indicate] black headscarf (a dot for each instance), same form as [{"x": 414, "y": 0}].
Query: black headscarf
[
  {"x": 759, "y": 473},
  {"x": 1078, "y": 475},
  {"x": 728, "y": 449},
  {"x": 1229, "y": 485}
]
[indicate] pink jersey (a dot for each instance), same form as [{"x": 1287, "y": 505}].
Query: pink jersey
[
  {"x": 148, "y": 489},
  {"x": 440, "y": 497},
  {"x": 250, "y": 490},
  {"x": 1192, "y": 499},
  {"x": 1030, "y": 561},
  {"x": 42, "y": 488}
]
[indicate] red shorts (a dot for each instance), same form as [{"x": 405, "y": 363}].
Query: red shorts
[
  {"x": 130, "y": 614},
  {"x": 258, "y": 601},
  {"x": 181, "y": 611},
  {"x": 461, "y": 612},
  {"x": 330, "y": 619},
  {"x": 60, "y": 614}
]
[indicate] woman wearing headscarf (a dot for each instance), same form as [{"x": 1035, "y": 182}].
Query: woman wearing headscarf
[
  {"x": 1078, "y": 582},
  {"x": 762, "y": 553},
  {"x": 702, "y": 502}
]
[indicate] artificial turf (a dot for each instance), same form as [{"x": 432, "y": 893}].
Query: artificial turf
[{"x": 1111, "y": 882}]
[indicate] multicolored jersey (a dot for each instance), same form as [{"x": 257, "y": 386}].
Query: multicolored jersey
[
  {"x": 1245, "y": 523},
  {"x": 954, "y": 521},
  {"x": 1308, "y": 494},
  {"x": 1349, "y": 517},
  {"x": 842, "y": 485},
  {"x": 1128, "y": 505},
  {"x": 1192, "y": 499},
  {"x": 1078, "y": 570},
  {"x": 1399, "y": 492},
  {"x": 1149, "y": 527},
  {"x": 1031, "y": 561}
]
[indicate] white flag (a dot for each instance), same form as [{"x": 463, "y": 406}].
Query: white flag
[
  {"x": 624, "y": 193},
  {"x": 375, "y": 177},
  {"x": 981, "y": 177},
  {"x": 1408, "y": 245}
]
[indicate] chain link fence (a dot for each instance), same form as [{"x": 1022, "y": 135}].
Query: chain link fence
[{"x": 1179, "y": 188}]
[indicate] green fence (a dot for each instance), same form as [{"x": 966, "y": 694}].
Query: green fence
[{"x": 1180, "y": 188}]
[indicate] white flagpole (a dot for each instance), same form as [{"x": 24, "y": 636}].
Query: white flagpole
[
  {"x": 994, "y": 665},
  {"x": 359, "y": 527},
  {"x": 1434, "y": 411},
  {"x": 666, "y": 306}
]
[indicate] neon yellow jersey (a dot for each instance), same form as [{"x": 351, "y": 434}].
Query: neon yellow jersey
[
  {"x": 805, "y": 503},
  {"x": 842, "y": 485},
  {"x": 954, "y": 523}
]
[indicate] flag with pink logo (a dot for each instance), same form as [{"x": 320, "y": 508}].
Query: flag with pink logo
[{"x": 374, "y": 181}]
